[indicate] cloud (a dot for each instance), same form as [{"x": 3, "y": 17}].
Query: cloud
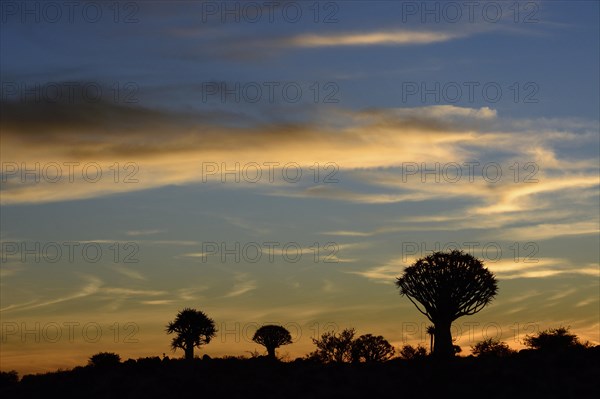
[
  {"x": 334, "y": 193},
  {"x": 377, "y": 38},
  {"x": 587, "y": 301},
  {"x": 182, "y": 243},
  {"x": 241, "y": 285},
  {"x": 562, "y": 294},
  {"x": 94, "y": 286},
  {"x": 543, "y": 267},
  {"x": 144, "y": 232},
  {"x": 189, "y": 294},
  {"x": 158, "y": 302},
  {"x": 369, "y": 148},
  {"x": 346, "y": 233},
  {"x": 544, "y": 231},
  {"x": 386, "y": 273},
  {"x": 503, "y": 269},
  {"x": 132, "y": 274},
  {"x": 126, "y": 292},
  {"x": 91, "y": 287}
]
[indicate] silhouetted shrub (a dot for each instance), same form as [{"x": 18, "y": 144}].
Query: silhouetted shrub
[
  {"x": 553, "y": 340},
  {"x": 104, "y": 360},
  {"x": 409, "y": 352},
  {"x": 492, "y": 348},
  {"x": 8, "y": 378},
  {"x": 332, "y": 347},
  {"x": 129, "y": 362},
  {"x": 370, "y": 348}
]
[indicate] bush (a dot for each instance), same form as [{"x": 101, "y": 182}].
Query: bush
[
  {"x": 370, "y": 348},
  {"x": 8, "y": 378},
  {"x": 409, "y": 352},
  {"x": 554, "y": 340},
  {"x": 491, "y": 348},
  {"x": 104, "y": 360},
  {"x": 332, "y": 347}
]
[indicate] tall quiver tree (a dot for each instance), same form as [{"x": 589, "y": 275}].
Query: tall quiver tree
[
  {"x": 445, "y": 286},
  {"x": 193, "y": 328}
]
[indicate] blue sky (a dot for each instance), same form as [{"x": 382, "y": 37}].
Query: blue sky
[{"x": 172, "y": 100}]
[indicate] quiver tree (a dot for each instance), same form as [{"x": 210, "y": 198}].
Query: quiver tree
[
  {"x": 193, "y": 329},
  {"x": 272, "y": 337},
  {"x": 445, "y": 286}
]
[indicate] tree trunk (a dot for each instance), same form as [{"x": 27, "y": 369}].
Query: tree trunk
[
  {"x": 443, "y": 340},
  {"x": 431, "y": 343},
  {"x": 271, "y": 352},
  {"x": 189, "y": 352}
]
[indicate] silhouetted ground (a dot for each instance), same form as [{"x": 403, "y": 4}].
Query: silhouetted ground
[{"x": 528, "y": 374}]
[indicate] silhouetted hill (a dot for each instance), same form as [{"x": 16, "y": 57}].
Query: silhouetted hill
[{"x": 529, "y": 374}]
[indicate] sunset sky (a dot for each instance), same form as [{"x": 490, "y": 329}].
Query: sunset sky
[{"x": 283, "y": 164}]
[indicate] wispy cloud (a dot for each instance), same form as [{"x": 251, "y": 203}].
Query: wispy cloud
[
  {"x": 158, "y": 302},
  {"x": 241, "y": 285},
  {"x": 505, "y": 270},
  {"x": 132, "y": 274},
  {"x": 544, "y": 267},
  {"x": 143, "y": 232},
  {"x": 346, "y": 233},
  {"x": 544, "y": 231},
  {"x": 92, "y": 286},
  {"x": 376, "y": 38},
  {"x": 386, "y": 273},
  {"x": 587, "y": 301}
]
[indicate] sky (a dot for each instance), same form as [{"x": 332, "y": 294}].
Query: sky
[{"x": 283, "y": 162}]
